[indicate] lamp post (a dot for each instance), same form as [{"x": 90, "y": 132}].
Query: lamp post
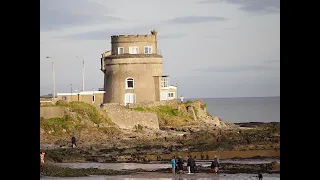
[
  {"x": 177, "y": 92},
  {"x": 82, "y": 71},
  {"x": 71, "y": 91},
  {"x": 93, "y": 99},
  {"x": 53, "y": 79}
]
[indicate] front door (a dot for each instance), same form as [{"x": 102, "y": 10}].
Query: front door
[
  {"x": 129, "y": 98},
  {"x": 164, "y": 96}
]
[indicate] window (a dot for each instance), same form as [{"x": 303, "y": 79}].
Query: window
[
  {"x": 120, "y": 50},
  {"x": 165, "y": 82},
  {"x": 129, "y": 83},
  {"x": 64, "y": 97},
  {"x": 171, "y": 95},
  {"x": 133, "y": 50},
  {"x": 148, "y": 50}
]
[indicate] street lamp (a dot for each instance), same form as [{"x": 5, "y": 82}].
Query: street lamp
[
  {"x": 177, "y": 92},
  {"x": 82, "y": 71},
  {"x": 53, "y": 80},
  {"x": 93, "y": 99},
  {"x": 71, "y": 91}
]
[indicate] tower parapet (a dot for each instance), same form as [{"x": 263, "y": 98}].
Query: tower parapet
[{"x": 139, "y": 41}]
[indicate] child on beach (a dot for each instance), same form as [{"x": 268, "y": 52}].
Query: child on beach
[{"x": 42, "y": 157}]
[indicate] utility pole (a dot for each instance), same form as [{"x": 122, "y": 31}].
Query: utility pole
[
  {"x": 71, "y": 91},
  {"x": 53, "y": 79},
  {"x": 82, "y": 72}
]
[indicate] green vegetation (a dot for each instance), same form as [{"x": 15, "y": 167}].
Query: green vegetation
[
  {"x": 85, "y": 109},
  {"x": 164, "y": 110},
  {"x": 203, "y": 106},
  {"x": 57, "y": 125},
  {"x": 75, "y": 114}
]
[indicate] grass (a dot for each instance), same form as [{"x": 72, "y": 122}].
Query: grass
[
  {"x": 57, "y": 125},
  {"x": 170, "y": 116},
  {"x": 76, "y": 112}
]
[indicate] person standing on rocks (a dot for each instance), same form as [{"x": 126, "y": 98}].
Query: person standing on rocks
[
  {"x": 215, "y": 165},
  {"x": 73, "y": 141},
  {"x": 181, "y": 99},
  {"x": 173, "y": 165}
]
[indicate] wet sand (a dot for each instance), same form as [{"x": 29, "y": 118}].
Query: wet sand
[
  {"x": 167, "y": 176},
  {"x": 154, "y": 166}
]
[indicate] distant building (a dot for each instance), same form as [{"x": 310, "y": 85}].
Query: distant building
[
  {"x": 92, "y": 97},
  {"x": 133, "y": 71}
]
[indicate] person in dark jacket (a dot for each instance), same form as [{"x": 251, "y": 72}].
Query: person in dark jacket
[
  {"x": 180, "y": 165},
  {"x": 260, "y": 176},
  {"x": 215, "y": 165},
  {"x": 73, "y": 141},
  {"x": 189, "y": 164}
]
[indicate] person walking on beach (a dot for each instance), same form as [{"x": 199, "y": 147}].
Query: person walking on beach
[
  {"x": 180, "y": 165},
  {"x": 188, "y": 164},
  {"x": 73, "y": 141},
  {"x": 215, "y": 165},
  {"x": 191, "y": 165},
  {"x": 173, "y": 165},
  {"x": 42, "y": 157}
]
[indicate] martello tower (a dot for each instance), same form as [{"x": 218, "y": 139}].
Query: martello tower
[{"x": 132, "y": 69}]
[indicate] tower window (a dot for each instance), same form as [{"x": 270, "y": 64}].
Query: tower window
[
  {"x": 129, "y": 83},
  {"x": 120, "y": 50},
  {"x": 133, "y": 50},
  {"x": 147, "y": 50}
]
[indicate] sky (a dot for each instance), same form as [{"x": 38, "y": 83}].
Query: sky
[{"x": 210, "y": 48}]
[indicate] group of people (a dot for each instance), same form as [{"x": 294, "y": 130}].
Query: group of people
[{"x": 177, "y": 165}]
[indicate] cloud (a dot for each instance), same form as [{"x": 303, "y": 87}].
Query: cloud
[
  {"x": 271, "y": 61},
  {"x": 91, "y": 35},
  {"x": 172, "y": 36},
  {"x": 236, "y": 69},
  {"x": 106, "y": 33},
  {"x": 253, "y": 6},
  {"x": 195, "y": 19},
  {"x": 60, "y": 14},
  {"x": 211, "y": 36}
]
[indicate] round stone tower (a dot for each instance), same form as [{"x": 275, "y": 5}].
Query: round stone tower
[{"x": 132, "y": 70}]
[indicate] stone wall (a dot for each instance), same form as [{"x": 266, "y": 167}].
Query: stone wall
[
  {"x": 141, "y": 70},
  {"x": 51, "y": 112},
  {"x": 126, "y": 118}
]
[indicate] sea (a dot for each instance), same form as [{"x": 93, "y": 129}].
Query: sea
[{"x": 244, "y": 109}]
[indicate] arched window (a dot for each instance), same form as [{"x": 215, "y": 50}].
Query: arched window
[{"x": 129, "y": 83}]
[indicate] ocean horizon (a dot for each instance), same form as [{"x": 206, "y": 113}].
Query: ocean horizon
[{"x": 244, "y": 109}]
